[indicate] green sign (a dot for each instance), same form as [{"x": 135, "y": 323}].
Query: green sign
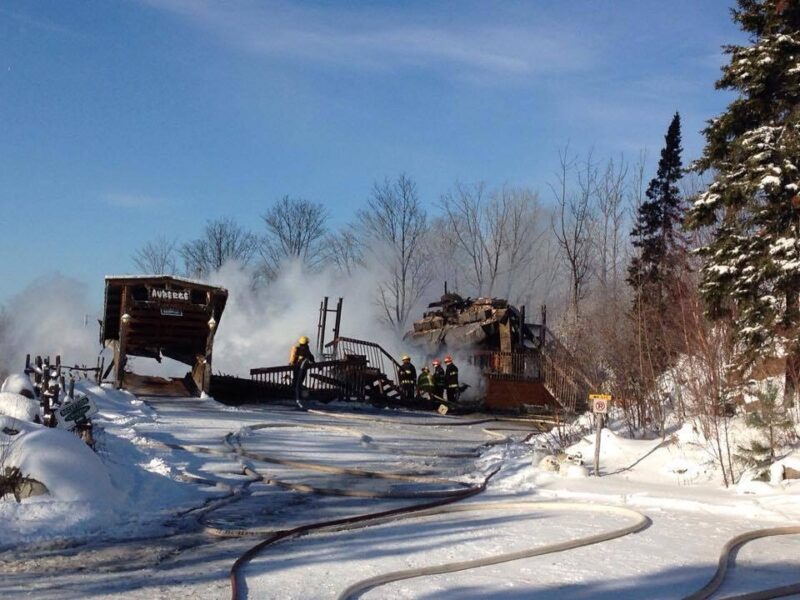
[{"x": 72, "y": 412}]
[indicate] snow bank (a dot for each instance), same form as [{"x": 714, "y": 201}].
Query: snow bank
[
  {"x": 18, "y": 406},
  {"x": 791, "y": 461},
  {"x": 63, "y": 463},
  {"x": 18, "y": 383}
]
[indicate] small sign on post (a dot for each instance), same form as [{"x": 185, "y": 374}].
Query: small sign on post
[
  {"x": 69, "y": 413},
  {"x": 600, "y": 403},
  {"x": 599, "y": 408}
]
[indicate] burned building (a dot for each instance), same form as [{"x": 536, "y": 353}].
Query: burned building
[
  {"x": 522, "y": 364},
  {"x": 485, "y": 323},
  {"x": 160, "y": 316}
]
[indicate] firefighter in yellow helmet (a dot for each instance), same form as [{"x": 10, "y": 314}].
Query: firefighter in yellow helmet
[
  {"x": 407, "y": 374},
  {"x": 301, "y": 359}
]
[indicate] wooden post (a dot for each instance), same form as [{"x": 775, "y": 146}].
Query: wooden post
[
  {"x": 337, "y": 323},
  {"x": 121, "y": 347},
  {"x": 599, "y": 408},
  {"x": 598, "y": 419},
  {"x": 212, "y": 329},
  {"x": 323, "y": 323},
  {"x": 543, "y": 329},
  {"x": 201, "y": 371},
  {"x": 506, "y": 344}
]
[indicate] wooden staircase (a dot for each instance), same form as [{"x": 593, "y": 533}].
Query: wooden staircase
[
  {"x": 562, "y": 375},
  {"x": 547, "y": 377},
  {"x": 379, "y": 386}
]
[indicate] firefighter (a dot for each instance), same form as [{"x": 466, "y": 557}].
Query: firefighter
[
  {"x": 438, "y": 379},
  {"x": 425, "y": 383},
  {"x": 301, "y": 359},
  {"x": 451, "y": 380},
  {"x": 408, "y": 378}
]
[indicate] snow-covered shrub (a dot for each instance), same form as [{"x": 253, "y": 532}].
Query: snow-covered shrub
[
  {"x": 18, "y": 383},
  {"x": 19, "y": 407},
  {"x": 60, "y": 461}
]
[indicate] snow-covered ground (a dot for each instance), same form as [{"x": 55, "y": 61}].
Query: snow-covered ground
[{"x": 143, "y": 516}]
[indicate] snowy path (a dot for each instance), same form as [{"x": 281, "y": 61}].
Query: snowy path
[{"x": 670, "y": 559}]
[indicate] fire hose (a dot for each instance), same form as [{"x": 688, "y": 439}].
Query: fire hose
[
  {"x": 445, "y": 506},
  {"x": 724, "y": 560},
  {"x": 641, "y": 522},
  {"x": 442, "y": 506}
]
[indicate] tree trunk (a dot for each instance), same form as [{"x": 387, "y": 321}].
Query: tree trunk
[{"x": 792, "y": 355}]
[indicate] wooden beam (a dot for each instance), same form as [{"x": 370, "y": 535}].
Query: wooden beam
[{"x": 121, "y": 354}]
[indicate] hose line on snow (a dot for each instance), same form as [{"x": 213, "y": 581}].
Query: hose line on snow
[
  {"x": 724, "y": 559},
  {"x": 345, "y": 523},
  {"x": 641, "y": 522}
]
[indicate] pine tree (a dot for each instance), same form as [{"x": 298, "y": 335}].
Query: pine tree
[
  {"x": 752, "y": 263},
  {"x": 657, "y": 233},
  {"x": 772, "y": 421}
]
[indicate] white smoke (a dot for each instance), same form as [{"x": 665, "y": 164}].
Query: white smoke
[
  {"x": 259, "y": 326},
  {"x": 52, "y": 316}
]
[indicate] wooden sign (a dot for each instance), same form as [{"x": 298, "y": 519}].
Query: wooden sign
[{"x": 159, "y": 294}]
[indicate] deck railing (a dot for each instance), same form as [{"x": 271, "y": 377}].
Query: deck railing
[
  {"x": 552, "y": 365},
  {"x": 514, "y": 366},
  {"x": 345, "y": 379},
  {"x": 343, "y": 348}
]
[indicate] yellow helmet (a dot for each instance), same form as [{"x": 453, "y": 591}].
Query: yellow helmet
[
  {"x": 406, "y": 358},
  {"x": 303, "y": 339}
]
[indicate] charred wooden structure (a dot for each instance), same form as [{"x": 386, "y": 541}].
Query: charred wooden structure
[
  {"x": 523, "y": 364},
  {"x": 157, "y": 316},
  {"x": 346, "y": 369},
  {"x": 351, "y": 369}
]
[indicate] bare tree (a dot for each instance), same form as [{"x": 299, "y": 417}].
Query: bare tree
[
  {"x": 222, "y": 241},
  {"x": 611, "y": 189},
  {"x": 573, "y": 220},
  {"x": 343, "y": 250},
  {"x": 157, "y": 257},
  {"x": 707, "y": 377},
  {"x": 524, "y": 236},
  {"x": 494, "y": 233},
  {"x": 296, "y": 229},
  {"x": 445, "y": 255},
  {"x": 395, "y": 225},
  {"x": 464, "y": 220},
  {"x": 544, "y": 274}
]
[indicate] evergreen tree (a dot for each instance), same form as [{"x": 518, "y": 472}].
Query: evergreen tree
[
  {"x": 657, "y": 234},
  {"x": 752, "y": 263},
  {"x": 773, "y": 423}
]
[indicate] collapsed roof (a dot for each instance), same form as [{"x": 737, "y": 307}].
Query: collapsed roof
[{"x": 482, "y": 323}]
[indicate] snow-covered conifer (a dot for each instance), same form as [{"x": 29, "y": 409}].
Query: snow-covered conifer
[
  {"x": 657, "y": 232},
  {"x": 752, "y": 262}
]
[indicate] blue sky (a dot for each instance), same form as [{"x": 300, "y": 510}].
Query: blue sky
[{"x": 121, "y": 121}]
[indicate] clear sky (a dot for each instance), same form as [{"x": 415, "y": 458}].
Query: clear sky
[{"x": 123, "y": 120}]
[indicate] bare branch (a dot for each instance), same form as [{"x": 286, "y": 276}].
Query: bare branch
[
  {"x": 296, "y": 229},
  {"x": 396, "y": 226},
  {"x": 157, "y": 257},
  {"x": 222, "y": 241}
]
